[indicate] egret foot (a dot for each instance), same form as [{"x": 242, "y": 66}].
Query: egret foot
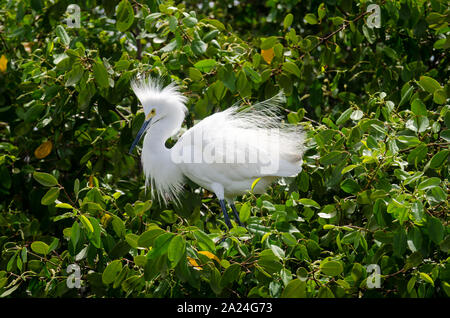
[
  {"x": 225, "y": 214},
  {"x": 236, "y": 214}
]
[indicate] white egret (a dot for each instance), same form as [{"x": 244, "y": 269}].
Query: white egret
[{"x": 224, "y": 153}]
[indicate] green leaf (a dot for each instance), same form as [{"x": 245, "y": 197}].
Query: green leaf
[
  {"x": 418, "y": 107},
  {"x": 132, "y": 240},
  {"x": 170, "y": 47},
  {"x": 199, "y": 47},
  {"x": 439, "y": 96},
  {"x": 210, "y": 35},
  {"x": 122, "y": 65},
  {"x": 120, "y": 277},
  {"x": 111, "y": 271},
  {"x": 219, "y": 25},
  {"x": 294, "y": 289},
  {"x": 310, "y": 18},
  {"x": 357, "y": 271},
  {"x": 344, "y": 116},
  {"x": 50, "y": 196},
  {"x": 445, "y": 244},
  {"x": 62, "y": 35},
  {"x": 228, "y": 77},
  {"x": 288, "y": 19},
  {"x": 173, "y": 22},
  {"x": 39, "y": 247},
  {"x": 435, "y": 229},
  {"x": 426, "y": 278},
  {"x": 413, "y": 260},
  {"x": 331, "y": 268},
  {"x": 74, "y": 76},
  {"x": 244, "y": 212},
  {"x": 205, "y": 242},
  {"x": 429, "y": 183},
  {"x": 350, "y": 186},
  {"x": 64, "y": 206},
  {"x": 269, "y": 262},
  {"x": 118, "y": 226},
  {"x": 124, "y": 16},
  {"x": 147, "y": 238},
  {"x": 230, "y": 275},
  {"x": 321, "y": 11},
  {"x": 161, "y": 245},
  {"x": 277, "y": 251},
  {"x": 334, "y": 157},
  {"x": 337, "y": 20},
  {"x": 190, "y": 21},
  {"x": 369, "y": 34},
  {"x": 75, "y": 234},
  {"x": 399, "y": 244},
  {"x": 410, "y": 285},
  {"x": 94, "y": 237},
  {"x": 309, "y": 203},
  {"x": 439, "y": 159},
  {"x": 406, "y": 96},
  {"x": 177, "y": 248},
  {"x": 348, "y": 169},
  {"x": 383, "y": 237},
  {"x": 205, "y": 65},
  {"x": 254, "y": 76},
  {"x": 293, "y": 118},
  {"x": 45, "y": 179},
  {"x": 429, "y": 84},
  {"x": 292, "y": 68},
  {"x": 325, "y": 292},
  {"x": 417, "y": 210},
  {"x": 195, "y": 74},
  {"x": 101, "y": 75},
  {"x": 10, "y": 290},
  {"x": 268, "y": 43}
]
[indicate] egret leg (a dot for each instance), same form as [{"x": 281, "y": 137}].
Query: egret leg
[
  {"x": 225, "y": 214},
  {"x": 236, "y": 214}
]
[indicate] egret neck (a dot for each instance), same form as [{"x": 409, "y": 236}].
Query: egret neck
[{"x": 158, "y": 166}]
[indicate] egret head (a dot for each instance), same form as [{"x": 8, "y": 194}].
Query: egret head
[{"x": 161, "y": 105}]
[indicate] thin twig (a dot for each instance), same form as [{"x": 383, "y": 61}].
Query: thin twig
[
  {"x": 427, "y": 145},
  {"x": 342, "y": 27}
]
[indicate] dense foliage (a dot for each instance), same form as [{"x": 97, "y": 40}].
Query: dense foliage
[{"x": 374, "y": 187}]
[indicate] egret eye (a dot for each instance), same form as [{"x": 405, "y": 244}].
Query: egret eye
[{"x": 151, "y": 114}]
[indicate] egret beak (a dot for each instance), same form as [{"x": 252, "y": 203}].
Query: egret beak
[{"x": 140, "y": 133}]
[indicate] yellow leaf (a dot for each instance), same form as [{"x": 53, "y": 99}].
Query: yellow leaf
[
  {"x": 268, "y": 55},
  {"x": 86, "y": 223},
  {"x": 105, "y": 219},
  {"x": 91, "y": 181},
  {"x": 210, "y": 255},
  {"x": 194, "y": 263},
  {"x": 3, "y": 63},
  {"x": 254, "y": 183},
  {"x": 43, "y": 150}
]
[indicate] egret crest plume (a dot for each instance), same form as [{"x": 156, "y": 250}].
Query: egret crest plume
[{"x": 151, "y": 90}]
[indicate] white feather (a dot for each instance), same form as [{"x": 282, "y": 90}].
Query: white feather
[{"x": 256, "y": 129}]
